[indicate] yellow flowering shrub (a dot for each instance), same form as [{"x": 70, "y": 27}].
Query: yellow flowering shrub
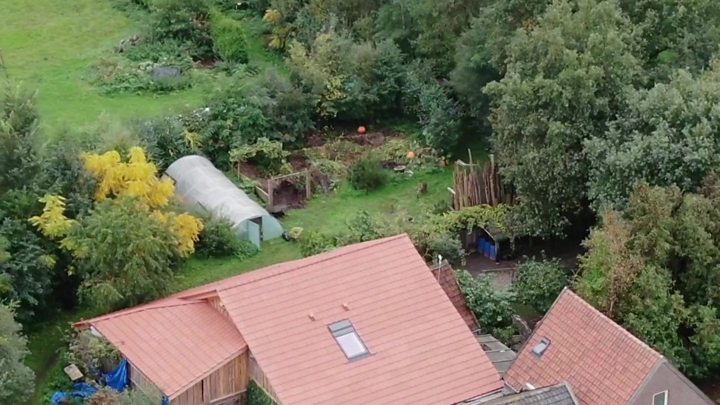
[
  {"x": 185, "y": 227},
  {"x": 52, "y": 222},
  {"x": 135, "y": 178}
]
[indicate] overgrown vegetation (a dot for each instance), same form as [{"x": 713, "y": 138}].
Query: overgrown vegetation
[
  {"x": 588, "y": 105},
  {"x": 538, "y": 283},
  {"x": 652, "y": 270},
  {"x": 219, "y": 239},
  {"x": 16, "y": 379}
]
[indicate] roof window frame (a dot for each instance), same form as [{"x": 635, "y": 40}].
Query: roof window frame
[
  {"x": 343, "y": 328},
  {"x": 665, "y": 397}
]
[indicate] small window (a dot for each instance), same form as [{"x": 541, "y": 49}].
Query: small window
[
  {"x": 660, "y": 398},
  {"x": 348, "y": 340},
  {"x": 540, "y": 348}
]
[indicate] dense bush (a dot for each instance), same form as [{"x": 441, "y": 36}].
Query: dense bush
[
  {"x": 228, "y": 38},
  {"x": 438, "y": 114},
  {"x": 268, "y": 156},
  {"x": 167, "y": 140},
  {"x": 124, "y": 257},
  {"x": 491, "y": 307},
  {"x": 117, "y": 76},
  {"x": 445, "y": 245},
  {"x": 266, "y": 105},
  {"x": 28, "y": 268},
  {"x": 312, "y": 243},
  {"x": 538, "y": 283},
  {"x": 92, "y": 354},
  {"x": 219, "y": 239},
  {"x": 348, "y": 80},
  {"x": 16, "y": 379},
  {"x": 256, "y": 396},
  {"x": 367, "y": 175},
  {"x": 183, "y": 20}
]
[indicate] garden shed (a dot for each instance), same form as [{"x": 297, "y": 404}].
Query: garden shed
[{"x": 200, "y": 185}]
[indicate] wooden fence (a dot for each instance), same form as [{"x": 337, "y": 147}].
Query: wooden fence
[{"x": 475, "y": 185}]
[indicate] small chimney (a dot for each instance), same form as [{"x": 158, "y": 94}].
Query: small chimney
[
  {"x": 346, "y": 306},
  {"x": 311, "y": 316}
]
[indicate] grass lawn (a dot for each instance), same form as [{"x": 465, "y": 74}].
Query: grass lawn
[
  {"x": 50, "y": 44},
  {"x": 329, "y": 213}
]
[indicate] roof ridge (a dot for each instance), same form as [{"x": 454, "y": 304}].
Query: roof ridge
[
  {"x": 143, "y": 308},
  {"x": 319, "y": 259},
  {"x": 605, "y": 317}
]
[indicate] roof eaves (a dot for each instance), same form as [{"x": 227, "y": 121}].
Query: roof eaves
[
  {"x": 326, "y": 257},
  {"x": 135, "y": 310}
]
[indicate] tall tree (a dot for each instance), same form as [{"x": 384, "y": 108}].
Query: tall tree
[
  {"x": 16, "y": 379},
  {"x": 566, "y": 78},
  {"x": 667, "y": 135},
  {"x": 656, "y": 270},
  {"x": 675, "y": 33}
]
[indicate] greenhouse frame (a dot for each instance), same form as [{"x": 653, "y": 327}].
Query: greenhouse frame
[{"x": 201, "y": 186}]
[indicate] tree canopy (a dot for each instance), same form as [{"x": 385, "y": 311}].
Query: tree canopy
[{"x": 655, "y": 270}]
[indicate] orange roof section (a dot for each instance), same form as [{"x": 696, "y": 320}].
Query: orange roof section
[
  {"x": 421, "y": 350},
  {"x": 168, "y": 343},
  {"x": 445, "y": 276},
  {"x": 604, "y": 363}
]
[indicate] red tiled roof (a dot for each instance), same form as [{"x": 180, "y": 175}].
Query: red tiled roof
[
  {"x": 421, "y": 350},
  {"x": 174, "y": 343},
  {"x": 603, "y": 362},
  {"x": 446, "y": 278}
]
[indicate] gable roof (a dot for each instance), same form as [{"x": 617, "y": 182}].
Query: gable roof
[
  {"x": 603, "y": 362},
  {"x": 446, "y": 278},
  {"x": 421, "y": 349},
  {"x": 560, "y": 394},
  {"x": 168, "y": 341}
]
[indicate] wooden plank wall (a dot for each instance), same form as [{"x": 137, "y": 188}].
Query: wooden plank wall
[
  {"x": 260, "y": 379},
  {"x": 222, "y": 386},
  {"x": 192, "y": 396},
  {"x": 229, "y": 379},
  {"x": 217, "y": 304},
  {"x": 142, "y": 383}
]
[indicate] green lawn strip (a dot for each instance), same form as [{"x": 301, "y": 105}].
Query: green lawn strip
[
  {"x": 45, "y": 342},
  {"x": 330, "y": 213},
  {"x": 197, "y": 271}
]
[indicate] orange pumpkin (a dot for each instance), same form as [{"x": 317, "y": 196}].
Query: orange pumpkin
[
  {"x": 411, "y": 155},
  {"x": 361, "y": 130}
]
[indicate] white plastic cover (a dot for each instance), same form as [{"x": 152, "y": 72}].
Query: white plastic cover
[{"x": 199, "y": 183}]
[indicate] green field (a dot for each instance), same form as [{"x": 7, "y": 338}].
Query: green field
[{"x": 50, "y": 44}]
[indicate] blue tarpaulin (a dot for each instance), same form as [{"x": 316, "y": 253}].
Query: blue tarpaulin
[
  {"x": 118, "y": 378},
  {"x": 81, "y": 391}
]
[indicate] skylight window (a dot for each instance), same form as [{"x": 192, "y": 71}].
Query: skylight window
[
  {"x": 540, "y": 348},
  {"x": 348, "y": 340},
  {"x": 660, "y": 398}
]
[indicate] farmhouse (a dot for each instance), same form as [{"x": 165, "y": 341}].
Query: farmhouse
[
  {"x": 603, "y": 363},
  {"x": 364, "y": 324}
]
